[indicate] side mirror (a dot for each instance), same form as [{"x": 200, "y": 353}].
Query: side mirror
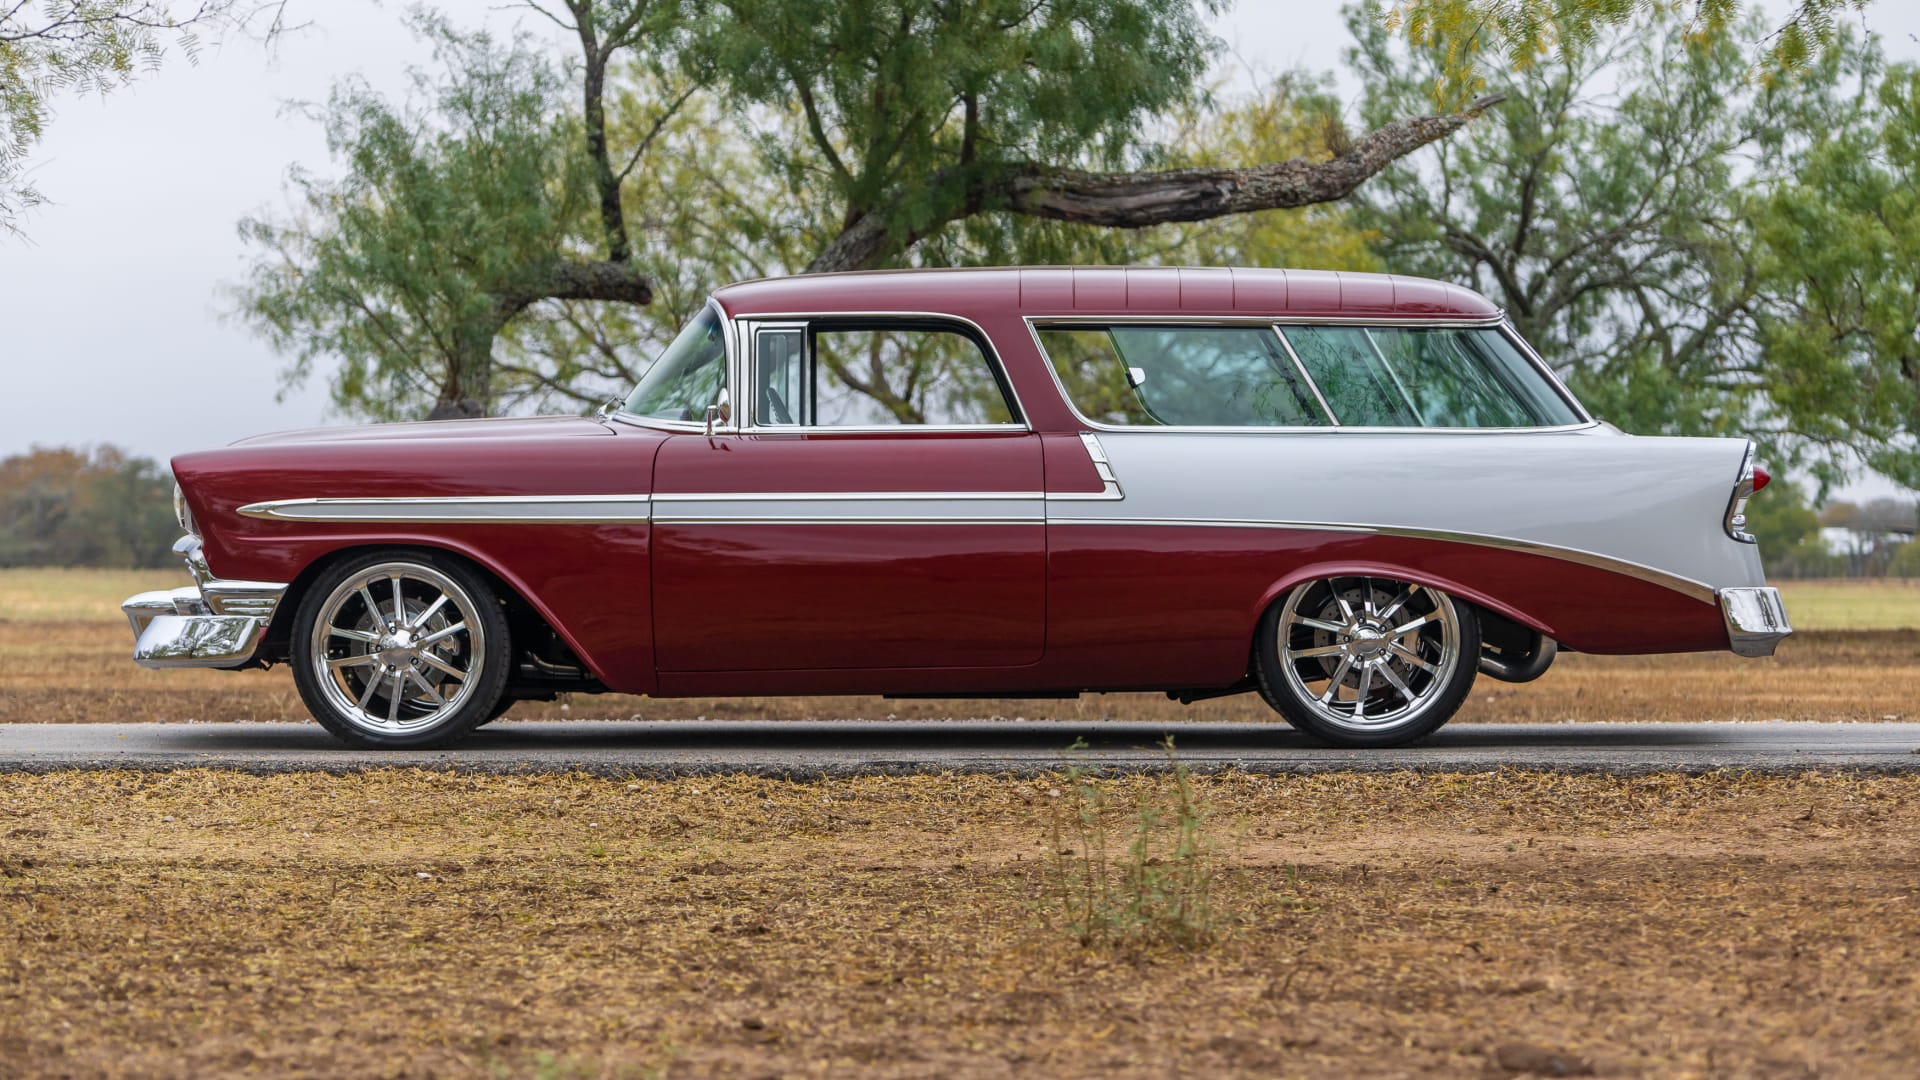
[{"x": 713, "y": 417}]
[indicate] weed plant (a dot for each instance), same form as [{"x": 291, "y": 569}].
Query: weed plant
[{"x": 1160, "y": 891}]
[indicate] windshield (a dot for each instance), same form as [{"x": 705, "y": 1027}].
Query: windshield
[{"x": 688, "y": 377}]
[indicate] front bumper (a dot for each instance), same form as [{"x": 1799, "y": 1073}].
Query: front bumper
[
  {"x": 211, "y": 623},
  {"x": 1756, "y": 620}
]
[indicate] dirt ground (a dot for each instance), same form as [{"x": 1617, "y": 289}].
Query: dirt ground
[
  {"x": 415, "y": 924},
  {"x": 78, "y": 671}
]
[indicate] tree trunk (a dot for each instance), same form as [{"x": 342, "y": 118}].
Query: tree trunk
[{"x": 468, "y": 389}]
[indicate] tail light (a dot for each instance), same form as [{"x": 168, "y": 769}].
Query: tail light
[{"x": 1752, "y": 479}]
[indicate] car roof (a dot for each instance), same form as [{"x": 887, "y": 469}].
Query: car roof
[{"x": 1111, "y": 290}]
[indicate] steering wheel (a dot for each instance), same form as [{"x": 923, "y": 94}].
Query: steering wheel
[{"x": 776, "y": 407}]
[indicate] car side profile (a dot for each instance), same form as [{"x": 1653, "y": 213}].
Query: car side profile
[{"x": 1349, "y": 493}]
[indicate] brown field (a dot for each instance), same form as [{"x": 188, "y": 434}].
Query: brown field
[{"x": 401, "y": 923}]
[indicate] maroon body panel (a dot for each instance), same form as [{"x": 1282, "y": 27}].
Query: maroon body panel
[
  {"x": 859, "y": 595},
  {"x": 589, "y": 581}
]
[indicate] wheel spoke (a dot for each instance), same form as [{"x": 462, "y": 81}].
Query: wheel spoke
[
  {"x": 1413, "y": 658},
  {"x": 1346, "y": 609},
  {"x": 1417, "y": 623},
  {"x": 1399, "y": 602},
  {"x": 1339, "y": 675},
  {"x": 366, "y": 692},
  {"x": 432, "y": 692},
  {"x": 441, "y": 634},
  {"x": 443, "y": 667},
  {"x": 1366, "y": 595},
  {"x": 354, "y": 635},
  {"x": 1319, "y": 650},
  {"x": 421, "y": 619},
  {"x": 1360, "y": 698},
  {"x": 399, "y": 605},
  {"x": 360, "y": 660},
  {"x": 1317, "y": 624},
  {"x": 1400, "y": 684},
  {"x": 373, "y": 609},
  {"x": 393, "y": 699}
]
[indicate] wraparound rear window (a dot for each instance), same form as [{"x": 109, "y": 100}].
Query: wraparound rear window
[{"x": 1130, "y": 375}]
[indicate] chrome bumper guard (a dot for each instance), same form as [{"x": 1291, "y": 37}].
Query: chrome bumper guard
[
  {"x": 1756, "y": 620},
  {"x": 212, "y": 623}
]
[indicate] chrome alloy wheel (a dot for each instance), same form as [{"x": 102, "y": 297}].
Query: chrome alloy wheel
[
  {"x": 1367, "y": 654},
  {"x": 398, "y": 648}
]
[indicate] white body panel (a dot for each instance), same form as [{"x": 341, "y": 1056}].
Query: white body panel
[{"x": 1652, "y": 503}]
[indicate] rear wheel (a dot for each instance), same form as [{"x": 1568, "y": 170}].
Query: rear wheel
[
  {"x": 400, "y": 651},
  {"x": 1367, "y": 661}
]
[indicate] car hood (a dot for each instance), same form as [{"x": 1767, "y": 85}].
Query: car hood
[{"x": 514, "y": 427}]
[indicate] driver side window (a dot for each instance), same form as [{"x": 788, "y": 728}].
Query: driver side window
[{"x": 874, "y": 374}]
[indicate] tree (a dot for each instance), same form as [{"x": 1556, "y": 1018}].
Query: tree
[
  {"x": 1839, "y": 238},
  {"x": 891, "y": 121},
  {"x": 92, "y": 46},
  {"x": 1616, "y": 207},
  {"x": 81, "y": 507},
  {"x": 1788, "y": 531},
  {"x": 923, "y": 113},
  {"x": 1519, "y": 33}
]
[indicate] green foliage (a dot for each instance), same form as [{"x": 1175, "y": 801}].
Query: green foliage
[
  {"x": 909, "y": 104},
  {"x": 1159, "y": 891},
  {"x": 68, "y": 507},
  {"x": 1906, "y": 561},
  {"x": 1839, "y": 238},
  {"x": 449, "y": 204},
  {"x": 1788, "y": 530},
  {"x": 1618, "y": 206},
  {"x": 1521, "y": 33}
]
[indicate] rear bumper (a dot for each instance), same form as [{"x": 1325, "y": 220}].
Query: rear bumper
[
  {"x": 212, "y": 623},
  {"x": 1756, "y": 620}
]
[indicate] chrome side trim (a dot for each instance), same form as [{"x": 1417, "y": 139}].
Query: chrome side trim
[
  {"x": 1756, "y": 620},
  {"x": 1686, "y": 586},
  {"x": 459, "y": 509},
  {"x": 1109, "y": 483}
]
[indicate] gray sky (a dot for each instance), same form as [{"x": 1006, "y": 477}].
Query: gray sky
[{"x": 113, "y": 309}]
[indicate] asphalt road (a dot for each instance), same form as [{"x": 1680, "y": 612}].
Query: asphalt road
[{"x": 845, "y": 748}]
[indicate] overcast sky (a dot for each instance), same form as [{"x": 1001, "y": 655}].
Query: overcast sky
[{"x": 113, "y": 324}]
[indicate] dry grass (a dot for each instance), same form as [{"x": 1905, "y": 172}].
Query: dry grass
[{"x": 412, "y": 924}]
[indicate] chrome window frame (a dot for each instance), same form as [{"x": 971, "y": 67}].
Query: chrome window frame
[
  {"x": 1499, "y": 322},
  {"x": 747, "y": 325},
  {"x": 730, "y": 345}
]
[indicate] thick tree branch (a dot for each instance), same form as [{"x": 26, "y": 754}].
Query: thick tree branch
[{"x": 1136, "y": 200}]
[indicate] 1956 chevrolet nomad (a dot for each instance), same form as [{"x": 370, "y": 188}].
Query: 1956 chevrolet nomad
[{"x": 1349, "y": 493}]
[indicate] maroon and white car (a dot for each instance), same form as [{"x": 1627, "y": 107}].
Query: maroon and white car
[{"x": 1349, "y": 493}]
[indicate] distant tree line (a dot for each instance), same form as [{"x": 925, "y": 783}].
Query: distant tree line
[{"x": 85, "y": 507}]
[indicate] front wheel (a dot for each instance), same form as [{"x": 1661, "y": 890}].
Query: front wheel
[
  {"x": 400, "y": 651},
  {"x": 1367, "y": 661}
]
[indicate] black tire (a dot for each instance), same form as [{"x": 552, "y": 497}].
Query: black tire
[
  {"x": 415, "y": 724},
  {"x": 507, "y": 701},
  {"x": 1351, "y": 654}
]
